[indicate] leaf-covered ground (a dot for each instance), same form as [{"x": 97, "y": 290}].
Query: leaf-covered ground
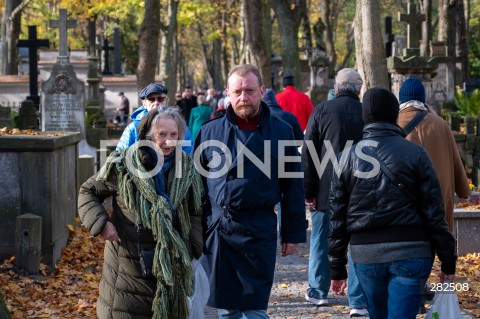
[{"x": 71, "y": 289}]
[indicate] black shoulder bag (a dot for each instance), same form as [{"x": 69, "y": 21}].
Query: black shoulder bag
[
  {"x": 405, "y": 190},
  {"x": 414, "y": 122}
]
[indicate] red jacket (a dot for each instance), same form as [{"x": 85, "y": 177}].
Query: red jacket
[{"x": 297, "y": 103}]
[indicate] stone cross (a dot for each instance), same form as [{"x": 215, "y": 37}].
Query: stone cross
[
  {"x": 117, "y": 55},
  {"x": 33, "y": 44},
  {"x": 106, "y": 65},
  {"x": 388, "y": 37},
  {"x": 63, "y": 24},
  {"x": 414, "y": 30}
]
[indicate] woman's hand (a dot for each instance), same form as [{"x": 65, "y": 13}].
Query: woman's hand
[{"x": 109, "y": 232}]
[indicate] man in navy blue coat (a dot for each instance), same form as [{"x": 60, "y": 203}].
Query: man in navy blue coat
[{"x": 248, "y": 165}]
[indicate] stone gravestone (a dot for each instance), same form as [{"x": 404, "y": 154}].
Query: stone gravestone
[
  {"x": 318, "y": 63},
  {"x": 33, "y": 44},
  {"x": 63, "y": 94},
  {"x": 27, "y": 116},
  {"x": 5, "y": 117},
  {"x": 106, "y": 63},
  {"x": 410, "y": 63}
]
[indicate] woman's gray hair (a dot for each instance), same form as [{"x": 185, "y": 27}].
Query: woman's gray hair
[
  {"x": 172, "y": 112},
  {"x": 347, "y": 87}
]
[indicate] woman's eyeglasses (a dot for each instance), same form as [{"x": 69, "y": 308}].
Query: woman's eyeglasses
[{"x": 157, "y": 98}]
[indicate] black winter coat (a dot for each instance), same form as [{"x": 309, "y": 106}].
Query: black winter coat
[
  {"x": 374, "y": 210},
  {"x": 336, "y": 122}
]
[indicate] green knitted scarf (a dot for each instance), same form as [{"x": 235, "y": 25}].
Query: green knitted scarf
[{"x": 172, "y": 263}]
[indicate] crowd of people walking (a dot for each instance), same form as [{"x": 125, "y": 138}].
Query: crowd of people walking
[{"x": 378, "y": 187}]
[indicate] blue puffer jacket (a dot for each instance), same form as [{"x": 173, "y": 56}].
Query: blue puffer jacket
[{"x": 130, "y": 134}]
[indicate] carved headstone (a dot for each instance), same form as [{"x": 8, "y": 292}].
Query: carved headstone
[
  {"x": 27, "y": 116},
  {"x": 62, "y": 101},
  {"x": 63, "y": 97}
]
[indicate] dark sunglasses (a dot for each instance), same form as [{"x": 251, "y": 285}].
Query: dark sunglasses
[{"x": 158, "y": 98}]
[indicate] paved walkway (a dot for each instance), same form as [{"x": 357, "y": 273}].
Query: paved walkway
[{"x": 287, "y": 299}]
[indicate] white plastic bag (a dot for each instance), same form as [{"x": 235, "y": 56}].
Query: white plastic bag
[
  {"x": 201, "y": 293},
  {"x": 445, "y": 306}
]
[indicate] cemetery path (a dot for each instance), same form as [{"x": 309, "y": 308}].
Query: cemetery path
[{"x": 71, "y": 289}]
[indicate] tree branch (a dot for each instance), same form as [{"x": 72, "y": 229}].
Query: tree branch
[{"x": 18, "y": 10}]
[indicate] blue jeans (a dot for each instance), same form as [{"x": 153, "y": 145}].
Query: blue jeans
[
  {"x": 318, "y": 266},
  {"x": 394, "y": 290},
  {"x": 242, "y": 314},
  {"x": 354, "y": 293}
]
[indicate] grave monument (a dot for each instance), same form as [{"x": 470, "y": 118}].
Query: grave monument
[
  {"x": 32, "y": 43},
  {"x": 106, "y": 59},
  {"x": 63, "y": 94},
  {"x": 318, "y": 63},
  {"x": 410, "y": 63}
]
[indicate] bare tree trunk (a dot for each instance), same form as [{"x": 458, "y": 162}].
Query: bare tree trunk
[
  {"x": 443, "y": 19},
  {"x": 217, "y": 77},
  {"x": 426, "y": 8},
  {"x": 148, "y": 45},
  {"x": 170, "y": 62},
  {"x": 255, "y": 52},
  {"x": 267, "y": 40},
  {"x": 289, "y": 14},
  {"x": 371, "y": 61},
  {"x": 329, "y": 37},
  {"x": 461, "y": 44},
  {"x": 10, "y": 34},
  {"x": 225, "y": 66}
]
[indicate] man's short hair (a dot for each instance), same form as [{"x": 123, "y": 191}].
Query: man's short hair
[{"x": 244, "y": 69}]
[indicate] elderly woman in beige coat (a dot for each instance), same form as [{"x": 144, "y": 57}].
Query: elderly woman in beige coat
[
  {"x": 435, "y": 135},
  {"x": 156, "y": 205}
]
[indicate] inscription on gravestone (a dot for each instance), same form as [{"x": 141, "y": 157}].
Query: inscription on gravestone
[{"x": 63, "y": 106}]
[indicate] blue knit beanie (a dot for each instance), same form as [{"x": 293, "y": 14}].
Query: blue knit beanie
[{"x": 412, "y": 89}]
